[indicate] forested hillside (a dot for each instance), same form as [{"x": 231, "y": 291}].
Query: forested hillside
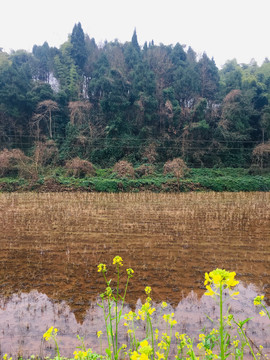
[{"x": 142, "y": 104}]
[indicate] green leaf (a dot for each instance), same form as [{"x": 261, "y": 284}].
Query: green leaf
[
  {"x": 108, "y": 352},
  {"x": 241, "y": 323}
]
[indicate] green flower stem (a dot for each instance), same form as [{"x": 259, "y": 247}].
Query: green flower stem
[
  {"x": 247, "y": 342},
  {"x": 152, "y": 334},
  {"x": 221, "y": 327},
  {"x": 116, "y": 311},
  {"x": 56, "y": 345},
  {"x": 169, "y": 345},
  {"x": 134, "y": 337},
  {"x": 106, "y": 323},
  {"x": 123, "y": 299},
  {"x": 106, "y": 281},
  {"x": 266, "y": 311},
  {"x": 111, "y": 328},
  {"x": 241, "y": 331}
]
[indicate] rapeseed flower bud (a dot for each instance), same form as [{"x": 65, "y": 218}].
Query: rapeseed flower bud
[
  {"x": 118, "y": 261},
  {"x": 130, "y": 273},
  {"x": 258, "y": 300},
  {"x": 164, "y": 305},
  {"x": 108, "y": 291},
  {"x": 102, "y": 268},
  {"x": 159, "y": 355},
  {"x": 148, "y": 290}
]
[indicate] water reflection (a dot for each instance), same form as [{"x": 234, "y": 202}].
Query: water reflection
[
  {"x": 25, "y": 317},
  {"x": 52, "y": 243}
]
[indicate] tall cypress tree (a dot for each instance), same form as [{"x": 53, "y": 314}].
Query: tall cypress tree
[
  {"x": 78, "y": 51},
  {"x": 209, "y": 77},
  {"x": 134, "y": 41}
]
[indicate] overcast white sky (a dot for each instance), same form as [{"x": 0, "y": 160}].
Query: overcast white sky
[{"x": 224, "y": 29}]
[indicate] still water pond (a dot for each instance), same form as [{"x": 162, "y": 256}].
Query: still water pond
[{"x": 51, "y": 245}]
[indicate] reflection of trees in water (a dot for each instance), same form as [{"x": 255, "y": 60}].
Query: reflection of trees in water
[{"x": 25, "y": 317}]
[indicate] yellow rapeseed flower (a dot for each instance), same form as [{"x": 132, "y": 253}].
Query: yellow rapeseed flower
[
  {"x": 108, "y": 291},
  {"x": 144, "y": 348},
  {"x": 214, "y": 331},
  {"x": 164, "y": 305},
  {"x": 102, "y": 268},
  {"x": 99, "y": 333},
  {"x": 144, "y": 357},
  {"x": 49, "y": 333},
  {"x": 144, "y": 343},
  {"x": 148, "y": 290},
  {"x": 234, "y": 294},
  {"x": 217, "y": 278},
  {"x": 210, "y": 291},
  {"x": 130, "y": 316},
  {"x": 235, "y": 343},
  {"x": 141, "y": 315},
  {"x": 258, "y": 299},
  {"x": 207, "y": 279},
  {"x": 130, "y": 273},
  {"x": 262, "y": 313},
  {"x": 80, "y": 354},
  {"x": 166, "y": 317},
  {"x": 172, "y": 322},
  {"x": 118, "y": 261},
  {"x": 162, "y": 345},
  {"x": 159, "y": 355},
  {"x": 134, "y": 355},
  {"x": 221, "y": 276},
  {"x": 166, "y": 337},
  {"x": 151, "y": 310}
]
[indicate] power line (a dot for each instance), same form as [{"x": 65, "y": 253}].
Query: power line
[{"x": 139, "y": 139}]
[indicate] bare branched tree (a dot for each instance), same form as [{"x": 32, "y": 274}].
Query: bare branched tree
[
  {"x": 44, "y": 111},
  {"x": 261, "y": 154},
  {"x": 79, "y": 112}
]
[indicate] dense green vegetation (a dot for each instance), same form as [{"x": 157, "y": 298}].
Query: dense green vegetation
[
  {"x": 144, "y": 104},
  {"x": 228, "y": 179}
]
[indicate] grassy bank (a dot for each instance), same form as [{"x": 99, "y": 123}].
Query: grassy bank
[{"x": 105, "y": 180}]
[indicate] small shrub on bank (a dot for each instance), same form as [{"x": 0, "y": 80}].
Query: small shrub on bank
[
  {"x": 45, "y": 153},
  {"x": 80, "y": 168},
  {"x": 261, "y": 155},
  {"x": 144, "y": 170},
  {"x": 150, "y": 153},
  {"x": 177, "y": 167},
  {"x": 124, "y": 169},
  {"x": 13, "y": 162}
]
